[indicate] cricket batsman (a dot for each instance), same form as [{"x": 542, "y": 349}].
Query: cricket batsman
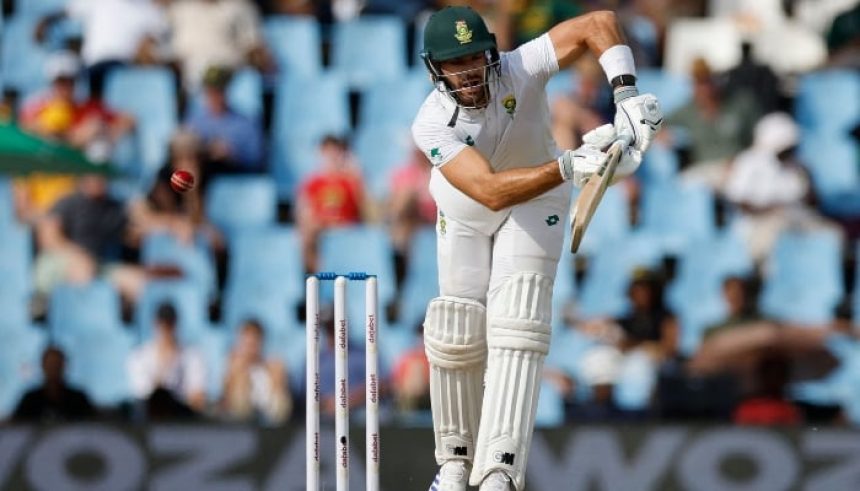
[{"x": 503, "y": 189}]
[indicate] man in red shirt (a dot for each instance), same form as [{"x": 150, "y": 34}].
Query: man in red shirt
[{"x": 332, "y": 197}]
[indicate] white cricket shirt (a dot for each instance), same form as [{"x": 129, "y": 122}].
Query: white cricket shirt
[{"x": 512, "y": 131}]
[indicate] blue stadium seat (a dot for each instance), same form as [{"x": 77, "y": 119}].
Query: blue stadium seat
[
  {"x": 564, "y": 290},
  {"x": 836, "y": 388},
  {"x": 604, "y": 289},
  {"x": 267, "y": 259},
  {"x": 562, "y": 84},
  {"x": 422, "y": 278},
  {"x": 676, "y": 213},
  {"x": 395, "y": 102},
  {"x": 241, "y": 202},
  {"x": 832, "y": 160},
  {"x": 804, "y": 281},
  {"x": 78, "y": 309},
  {"x": 7, "y": 206},
  {"x": 20, "y": 365},
  {"x": 338, "y": 252},
  {"x": 296, "y": 44},
  {"x": 673, "y": 91},
  {"x": 856, "y": 298},
  {"x": 696, "y": 293},
  {"x": 22, "y": 61},
  {"x": 274, "y": 312},
  {"x": 194, "y": 261},
  {"x": 14, "y": 307},
  {"x": 16, "y": 258},
  {"x": 829, "y": 100},
  {"x": 97, "y": 364},
  {"x": 550, "y": 408},
  {"x": 380, "y": 150},
  {"x": 188, "y": 300},
  {"x": 36, "y": 8},
  {"x": 148, "y": 94},
  {"x": 610, "y": 222},
  {"x": 244, "y": 94},
  {"x": 305, "y": 111},
  {"x": 369, "y": 49},
  {"x": 660, "y": 164},
  {"x": 214, "y": 347}
]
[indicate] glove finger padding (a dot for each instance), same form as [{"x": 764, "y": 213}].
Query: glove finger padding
[
  {"x": 600, "y": 137},
  {"x": 641, "y": 118}
]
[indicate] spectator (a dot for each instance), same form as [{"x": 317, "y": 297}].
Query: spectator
[
  {"x": 163, "y": 209},
  {"x": 83, "y": 235},
  {"x": 255, "y": 388},
  {"x": 586, "y": 108},
  {"x": 410, "y": 378},
  {"x": 216, "y": 33},
  {"x": 231, "y": 141},
  {"x": 49, "y": 114},
  {"x": 843, "y": 39},
  {"x": 54, "y": 401},
  {"x": 97, "y": 128},
  {"x": 768, "y": 405},
  {"x": 648, "y": 317},
  {"x": 769, "y": 188},
  {"x": 600, "y": 368},
  {"x": 753, "y": 80},
  {"x": 332, "y": 197},
  {"x": 740, "y": 306},
  {"x": 163, "y": 363},
  {"x": 115, "y": 32},
  {"x": 716, "y": 127},
  {"x": 410, "y": 204}
]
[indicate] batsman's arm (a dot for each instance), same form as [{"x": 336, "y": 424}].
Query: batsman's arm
[
  {"x": 471, "y": 173},
  {"x": 596, "y": 31}
]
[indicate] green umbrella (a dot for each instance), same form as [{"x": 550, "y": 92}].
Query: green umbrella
[{"x": 22, "y": 153}]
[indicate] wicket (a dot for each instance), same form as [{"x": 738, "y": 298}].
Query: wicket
[{"x": 312, "y": 428}]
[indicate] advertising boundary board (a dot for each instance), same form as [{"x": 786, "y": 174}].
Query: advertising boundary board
[{"x": 243, "y": 458}]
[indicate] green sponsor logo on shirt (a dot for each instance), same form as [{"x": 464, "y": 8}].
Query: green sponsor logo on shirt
[
  {"x": 551, "y": 220},
  {"x": 435, "y": 154},
  {"x": 470, "y": 141}
]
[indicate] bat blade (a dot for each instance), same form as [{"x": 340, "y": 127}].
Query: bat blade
[{"x": 592, "y": 192}]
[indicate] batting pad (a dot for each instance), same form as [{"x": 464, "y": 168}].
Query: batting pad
[
  {"x": 520, "y": 313},
  {"x": 456, "y": 346}
]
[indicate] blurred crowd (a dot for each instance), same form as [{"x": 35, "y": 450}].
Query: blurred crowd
[{"x": 735, "y": 136}]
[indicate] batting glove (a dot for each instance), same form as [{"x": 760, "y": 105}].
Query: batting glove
[
  {"x": 638, "y": 116},
  {"x": 578, "y": 165}
]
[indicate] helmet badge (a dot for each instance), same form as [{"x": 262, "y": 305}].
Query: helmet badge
[{"x": 464, "y": 34}]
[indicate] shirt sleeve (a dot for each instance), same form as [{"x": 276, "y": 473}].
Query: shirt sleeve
[
  {"x": 535, "y": 59},
  {"x": 438, "y": 142}
]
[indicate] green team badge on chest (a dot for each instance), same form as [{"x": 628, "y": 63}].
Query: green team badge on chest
[
  {"x": 435, "y": 154},
  {"x": 510, "y": 104},
  {"x": 551, "y": 220}
]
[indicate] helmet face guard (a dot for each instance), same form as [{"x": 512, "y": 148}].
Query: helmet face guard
[{"x": 484, "y": 75}]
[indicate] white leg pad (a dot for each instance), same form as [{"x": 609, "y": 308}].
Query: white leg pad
[
  {"x": 520, "y": 314},
  {"x": 456, "y": 345}
]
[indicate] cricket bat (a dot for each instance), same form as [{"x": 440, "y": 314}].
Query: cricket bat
[{"x": 592, "y": 192}]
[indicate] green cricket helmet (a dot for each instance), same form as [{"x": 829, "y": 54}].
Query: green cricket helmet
[{"x": 457, "y": 32}]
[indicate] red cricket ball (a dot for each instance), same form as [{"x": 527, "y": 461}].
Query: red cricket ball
[{"x": 182, "y": 181}]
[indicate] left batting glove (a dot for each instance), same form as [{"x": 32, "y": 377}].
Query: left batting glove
[{"x": 638, "y": 116}]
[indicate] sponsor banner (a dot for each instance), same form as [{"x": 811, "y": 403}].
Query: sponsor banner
[{"x": 219, "y": 457}]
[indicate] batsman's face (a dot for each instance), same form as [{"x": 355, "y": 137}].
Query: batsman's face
[{"x": 466, "y": 77}]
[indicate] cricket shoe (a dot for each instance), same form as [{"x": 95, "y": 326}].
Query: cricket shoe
[
  {"x": 452, "y": 476},
  {"x": 496, "y": 481}
]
